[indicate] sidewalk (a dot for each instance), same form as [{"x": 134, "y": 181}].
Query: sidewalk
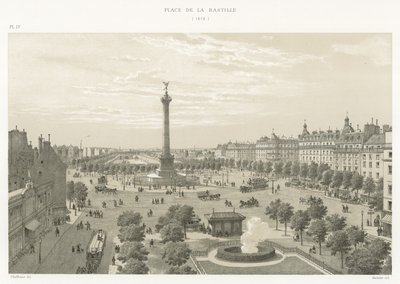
[{"x": 29, "y": 263}]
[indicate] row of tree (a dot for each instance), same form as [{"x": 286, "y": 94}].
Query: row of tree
[
  {"x": 132, "y": 252},
  {"x": 368, "y": 259},
  {"x": 77, "y": 193},
  {"x": 175, "y": 253}
]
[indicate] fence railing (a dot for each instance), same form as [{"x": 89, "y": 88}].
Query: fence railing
[
  {"x": 307, "y": 256},
  {"x": 283, "y": 249},
  {"x": 197, "y": 265}
]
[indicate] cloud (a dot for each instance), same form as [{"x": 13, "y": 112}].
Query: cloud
[
  {"x": 377, "y": 49},
  {"x": 208, "y": 50},
  {"x": 129, "y": 58}
]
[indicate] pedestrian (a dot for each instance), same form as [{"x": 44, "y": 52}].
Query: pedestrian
[
  {"x": 151, "y": 243},
  {"x": 113, "y": 260},
  {"x": 57, "y": 232},
  {"x": 73, "y": 249}
]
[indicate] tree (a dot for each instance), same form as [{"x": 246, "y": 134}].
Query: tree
[
  {"x": 355, "y": 235},
  {"x": 285, "y": 213},
  {"x": 321, "y": 169},
  {"x": 287, "y": 168},
  {"x": 278, "y": 167},
  {"x": 327, "y": 177},
  {"x": 362, "y": 261},
  {"x": 268, "y": 167},
  {"x": 377, "y": 198},
  {"x": 335, "y": 222},
  {"x": 295, "y": 169},
  {"x": 339, "y": 241},
  {"x": 303, "y": 170},
  {"x": 184, "y": 216},
  {"x": 260, "y": 166},
  {"x": 176, "y": 254},
  {"x": 387, "y": 267},
  {"x": 186, "y": 269},
  {"x": 337, "y": 179},
  {"x": 70, "y": 192},
  {"x": 299, "y": 222},
  {"x": 134, "y": 250},
  {"x": 131, "y": 233},
  {"x": 273, "y": 209},
  {"x": 318, "y": 230},
  {"x": 172, "y": 232},
  {"x": 356, "y": 182},
  {"x": 313, "y": 171},
  {"x": 134, "y": 266},
  {"x": 129, "y": 218},
  {"x": 80, "y": 192},
  {"x": 317, "y": 210},
  {"x": 347, "y": 176},
  {"x": 379, "y": 248},
  {"x": 369, "y": 186}
]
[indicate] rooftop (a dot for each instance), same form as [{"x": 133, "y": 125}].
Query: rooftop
[{"x": 224, "y": 216}]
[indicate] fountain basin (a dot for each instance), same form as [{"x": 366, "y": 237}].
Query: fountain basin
[{"x": 235, "y": 254}]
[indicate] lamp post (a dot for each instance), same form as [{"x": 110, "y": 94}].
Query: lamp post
[
  {"x": 362, "y": 220},
  {"x": 40, "y": 250}
]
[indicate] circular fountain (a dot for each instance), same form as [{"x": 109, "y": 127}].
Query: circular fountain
[{"x": 235, "y": 254}]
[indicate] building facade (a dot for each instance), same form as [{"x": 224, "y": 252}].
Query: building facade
[
  {"x": 387, "y": 185},
  {"x": 41, "y": 200},
  {"x": 225, "y": 223},
  {"x": 277, "y": 149},
  {"x": 317, "y": 146}
]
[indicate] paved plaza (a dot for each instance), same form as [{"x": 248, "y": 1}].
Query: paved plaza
[{"x": 58, "y": 257}]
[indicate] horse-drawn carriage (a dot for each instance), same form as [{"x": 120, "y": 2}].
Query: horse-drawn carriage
[
  {"x": 252, "y": 202},
  {"x": 254, "y": 184},
  {"x": 95, "y": 249},
  {"x": 205, "y": 195},
  {"x": 105, "y": 189}
]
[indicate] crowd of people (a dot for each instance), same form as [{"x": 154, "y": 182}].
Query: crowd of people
[
  {"x": 96, "y": 213},
  {"x": 157, "y": 201}
]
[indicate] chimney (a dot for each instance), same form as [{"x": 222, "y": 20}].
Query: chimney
[
  {"x": 49, "y": 137},
  {"x": 213, "y": 210},
  {"x": 358, "y": 127},
  {"x": 372, "y": 120},
  {"x": 40, "y": 143},
  {"x": 16, "y": 127}
]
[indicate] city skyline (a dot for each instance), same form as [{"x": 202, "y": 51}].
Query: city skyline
[{"x": 224, "y": 86}]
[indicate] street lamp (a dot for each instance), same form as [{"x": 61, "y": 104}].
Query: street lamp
[
  {"x": 362, "y": 220},
  {"x": 40, "y": 247}
]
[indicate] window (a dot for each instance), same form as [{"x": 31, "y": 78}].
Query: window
[
  {"x": 377, "y": 175},
  {"x": 370, "y": 156},
  {"x": 364, "y": 174},
  {"x": 377, "y": 164},
  {"x": 370, "y": 164},
  {"x": 364, "y": 156},
  {"x": 390, "y": 205},
  {"x": 390, "y": 189},
  {"x": 390, "y": 170},
  {"x": 378, "y": 157},
  {"x": 390, "y": 154}
]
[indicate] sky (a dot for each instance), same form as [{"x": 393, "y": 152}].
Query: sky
[{"x": 105, "y": 89}]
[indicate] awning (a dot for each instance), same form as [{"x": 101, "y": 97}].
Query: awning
[
  {"x": 387, "y": 219},
  {"x": 32, "y": 225}
]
